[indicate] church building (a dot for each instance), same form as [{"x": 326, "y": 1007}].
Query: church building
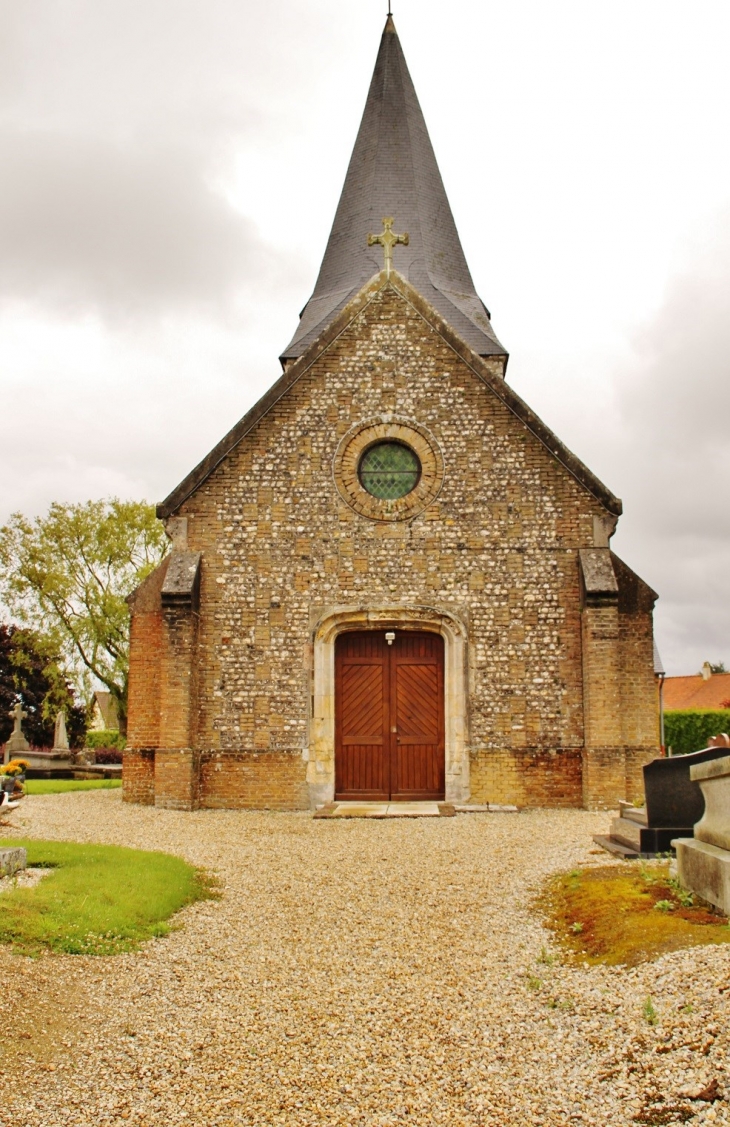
[{"x": 390, "y": 580}]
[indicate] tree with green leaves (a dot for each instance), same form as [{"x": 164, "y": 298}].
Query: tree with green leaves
[
  {"x": 31, "y": 672},
  {"x": 66, "y": 576}
]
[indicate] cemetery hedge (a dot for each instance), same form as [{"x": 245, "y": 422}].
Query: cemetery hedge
[
  {"x": 104, "y": 738},
  {"x": 689, "y": 729}
]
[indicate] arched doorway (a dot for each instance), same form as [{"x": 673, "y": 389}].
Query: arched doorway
[{"x": 389, "y": 715}]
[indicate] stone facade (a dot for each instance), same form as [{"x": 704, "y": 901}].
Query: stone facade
[{"x": 550, "y": 691}]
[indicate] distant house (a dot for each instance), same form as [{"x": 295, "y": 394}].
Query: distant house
[
  {"x": 702, "y": 690},
  {"x": 104, "y": 713}
]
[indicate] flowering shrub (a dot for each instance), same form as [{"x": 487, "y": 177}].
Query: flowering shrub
[{"x": 15, "y": 767}]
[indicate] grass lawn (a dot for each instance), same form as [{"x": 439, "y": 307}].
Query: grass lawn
[
  {"x": 98, "y": 899},
  {"x": 627, "y": 914},
  {"x": 60, "y": 786}
]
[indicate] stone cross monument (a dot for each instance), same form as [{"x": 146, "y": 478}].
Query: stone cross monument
[{"x": 17, "y": 744}]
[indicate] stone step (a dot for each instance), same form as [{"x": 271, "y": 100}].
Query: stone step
[
  {"x": 616, "y": 847},
  {"x": 633, "y": 813},
  {"x": 627, "y": 831}
]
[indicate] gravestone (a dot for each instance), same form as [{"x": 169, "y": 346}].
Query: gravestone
[
  {"x": 673, "y": 797},
  {"x": 12, "y": 861},
  {"x": 17, "y": 746},
  {"x": 674, "y": 803},
  {"x": 60, "y": 739},
  {"x": 56, "y": 763}
]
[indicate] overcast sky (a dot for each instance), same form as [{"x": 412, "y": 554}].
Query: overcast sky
[{"x": 169, "y": 171}]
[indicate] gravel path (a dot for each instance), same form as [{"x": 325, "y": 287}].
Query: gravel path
[{"x": 356, "y": 973}]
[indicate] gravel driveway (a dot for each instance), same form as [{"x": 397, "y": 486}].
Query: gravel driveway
[{"x": 356, "y": 972}]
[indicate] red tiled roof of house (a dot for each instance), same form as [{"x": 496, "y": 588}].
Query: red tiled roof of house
[{"x": 696, "y": 692}]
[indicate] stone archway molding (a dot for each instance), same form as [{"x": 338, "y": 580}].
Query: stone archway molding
[
  {"x": 366, "y": 433},
  {"x": 337, "y": 620}
]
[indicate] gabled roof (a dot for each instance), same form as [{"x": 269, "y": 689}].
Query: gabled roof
[
  {"x": 107, "y": 709},
  {"x": 393, "y": 172},
  {"x": 482, "y": 368},
  {"x": 696, "y": 692}
]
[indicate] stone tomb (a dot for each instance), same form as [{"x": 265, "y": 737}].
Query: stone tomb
[
  {"x": 703, "y": 862},
  {"x": 674, "y": 803}
]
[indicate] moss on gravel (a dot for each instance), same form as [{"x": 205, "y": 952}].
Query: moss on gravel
[{"x": 627, "y": 915}]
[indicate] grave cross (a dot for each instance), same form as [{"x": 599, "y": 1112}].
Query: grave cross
[
  {"x": 18, "y": 716},
  {"x": 388, "y": 240}
]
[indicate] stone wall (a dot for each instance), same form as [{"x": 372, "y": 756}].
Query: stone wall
[{"x": 497, "y": 547}]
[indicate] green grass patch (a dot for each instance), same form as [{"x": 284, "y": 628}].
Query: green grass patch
[
  {"x": 98, "y": 900},
  {"x": 60, "y": 786},
  {"x": 627, "y": 915}
]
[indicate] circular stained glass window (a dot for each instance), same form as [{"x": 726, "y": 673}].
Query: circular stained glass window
[{"x": 389, "y": 470}]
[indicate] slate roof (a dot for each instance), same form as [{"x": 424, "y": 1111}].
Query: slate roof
[{"x": 393, "y": 172}]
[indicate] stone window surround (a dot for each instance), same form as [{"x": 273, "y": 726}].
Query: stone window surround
[
  {"x": 338, "y": 620},
  {"x": 366, "y": 433}
]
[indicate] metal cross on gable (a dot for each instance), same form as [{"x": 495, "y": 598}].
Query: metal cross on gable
[{"x": 388, "y": 240}]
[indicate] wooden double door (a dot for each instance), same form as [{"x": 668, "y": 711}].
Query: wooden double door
[{"x": 389, "y": 716}]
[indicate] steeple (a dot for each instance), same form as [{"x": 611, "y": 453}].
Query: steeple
[{"x": 393, "y": 172}]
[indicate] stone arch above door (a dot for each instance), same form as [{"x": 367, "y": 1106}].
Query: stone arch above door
[{"x": 337, "y": 620}]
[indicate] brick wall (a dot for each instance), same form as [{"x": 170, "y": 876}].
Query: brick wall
[
  {"x": 254, "y": 781},
  {"x": 138, "y": 776},
  {"x": 527, "y": 777},
  {"x": 145, "y": 650},
  {"x": 177, "y": 778}
]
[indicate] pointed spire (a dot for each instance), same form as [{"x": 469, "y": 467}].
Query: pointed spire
[{"x": 393, "y": 172}]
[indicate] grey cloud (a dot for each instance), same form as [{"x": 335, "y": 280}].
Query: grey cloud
[
  {"x": 86, "y": 223},
  {"x": 672, "y": 457}
]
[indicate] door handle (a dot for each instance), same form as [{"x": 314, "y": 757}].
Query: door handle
[{"x": 394, "y": 729}]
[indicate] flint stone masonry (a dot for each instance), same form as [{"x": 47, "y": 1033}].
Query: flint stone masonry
[{"x": 555, "y": 673}]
